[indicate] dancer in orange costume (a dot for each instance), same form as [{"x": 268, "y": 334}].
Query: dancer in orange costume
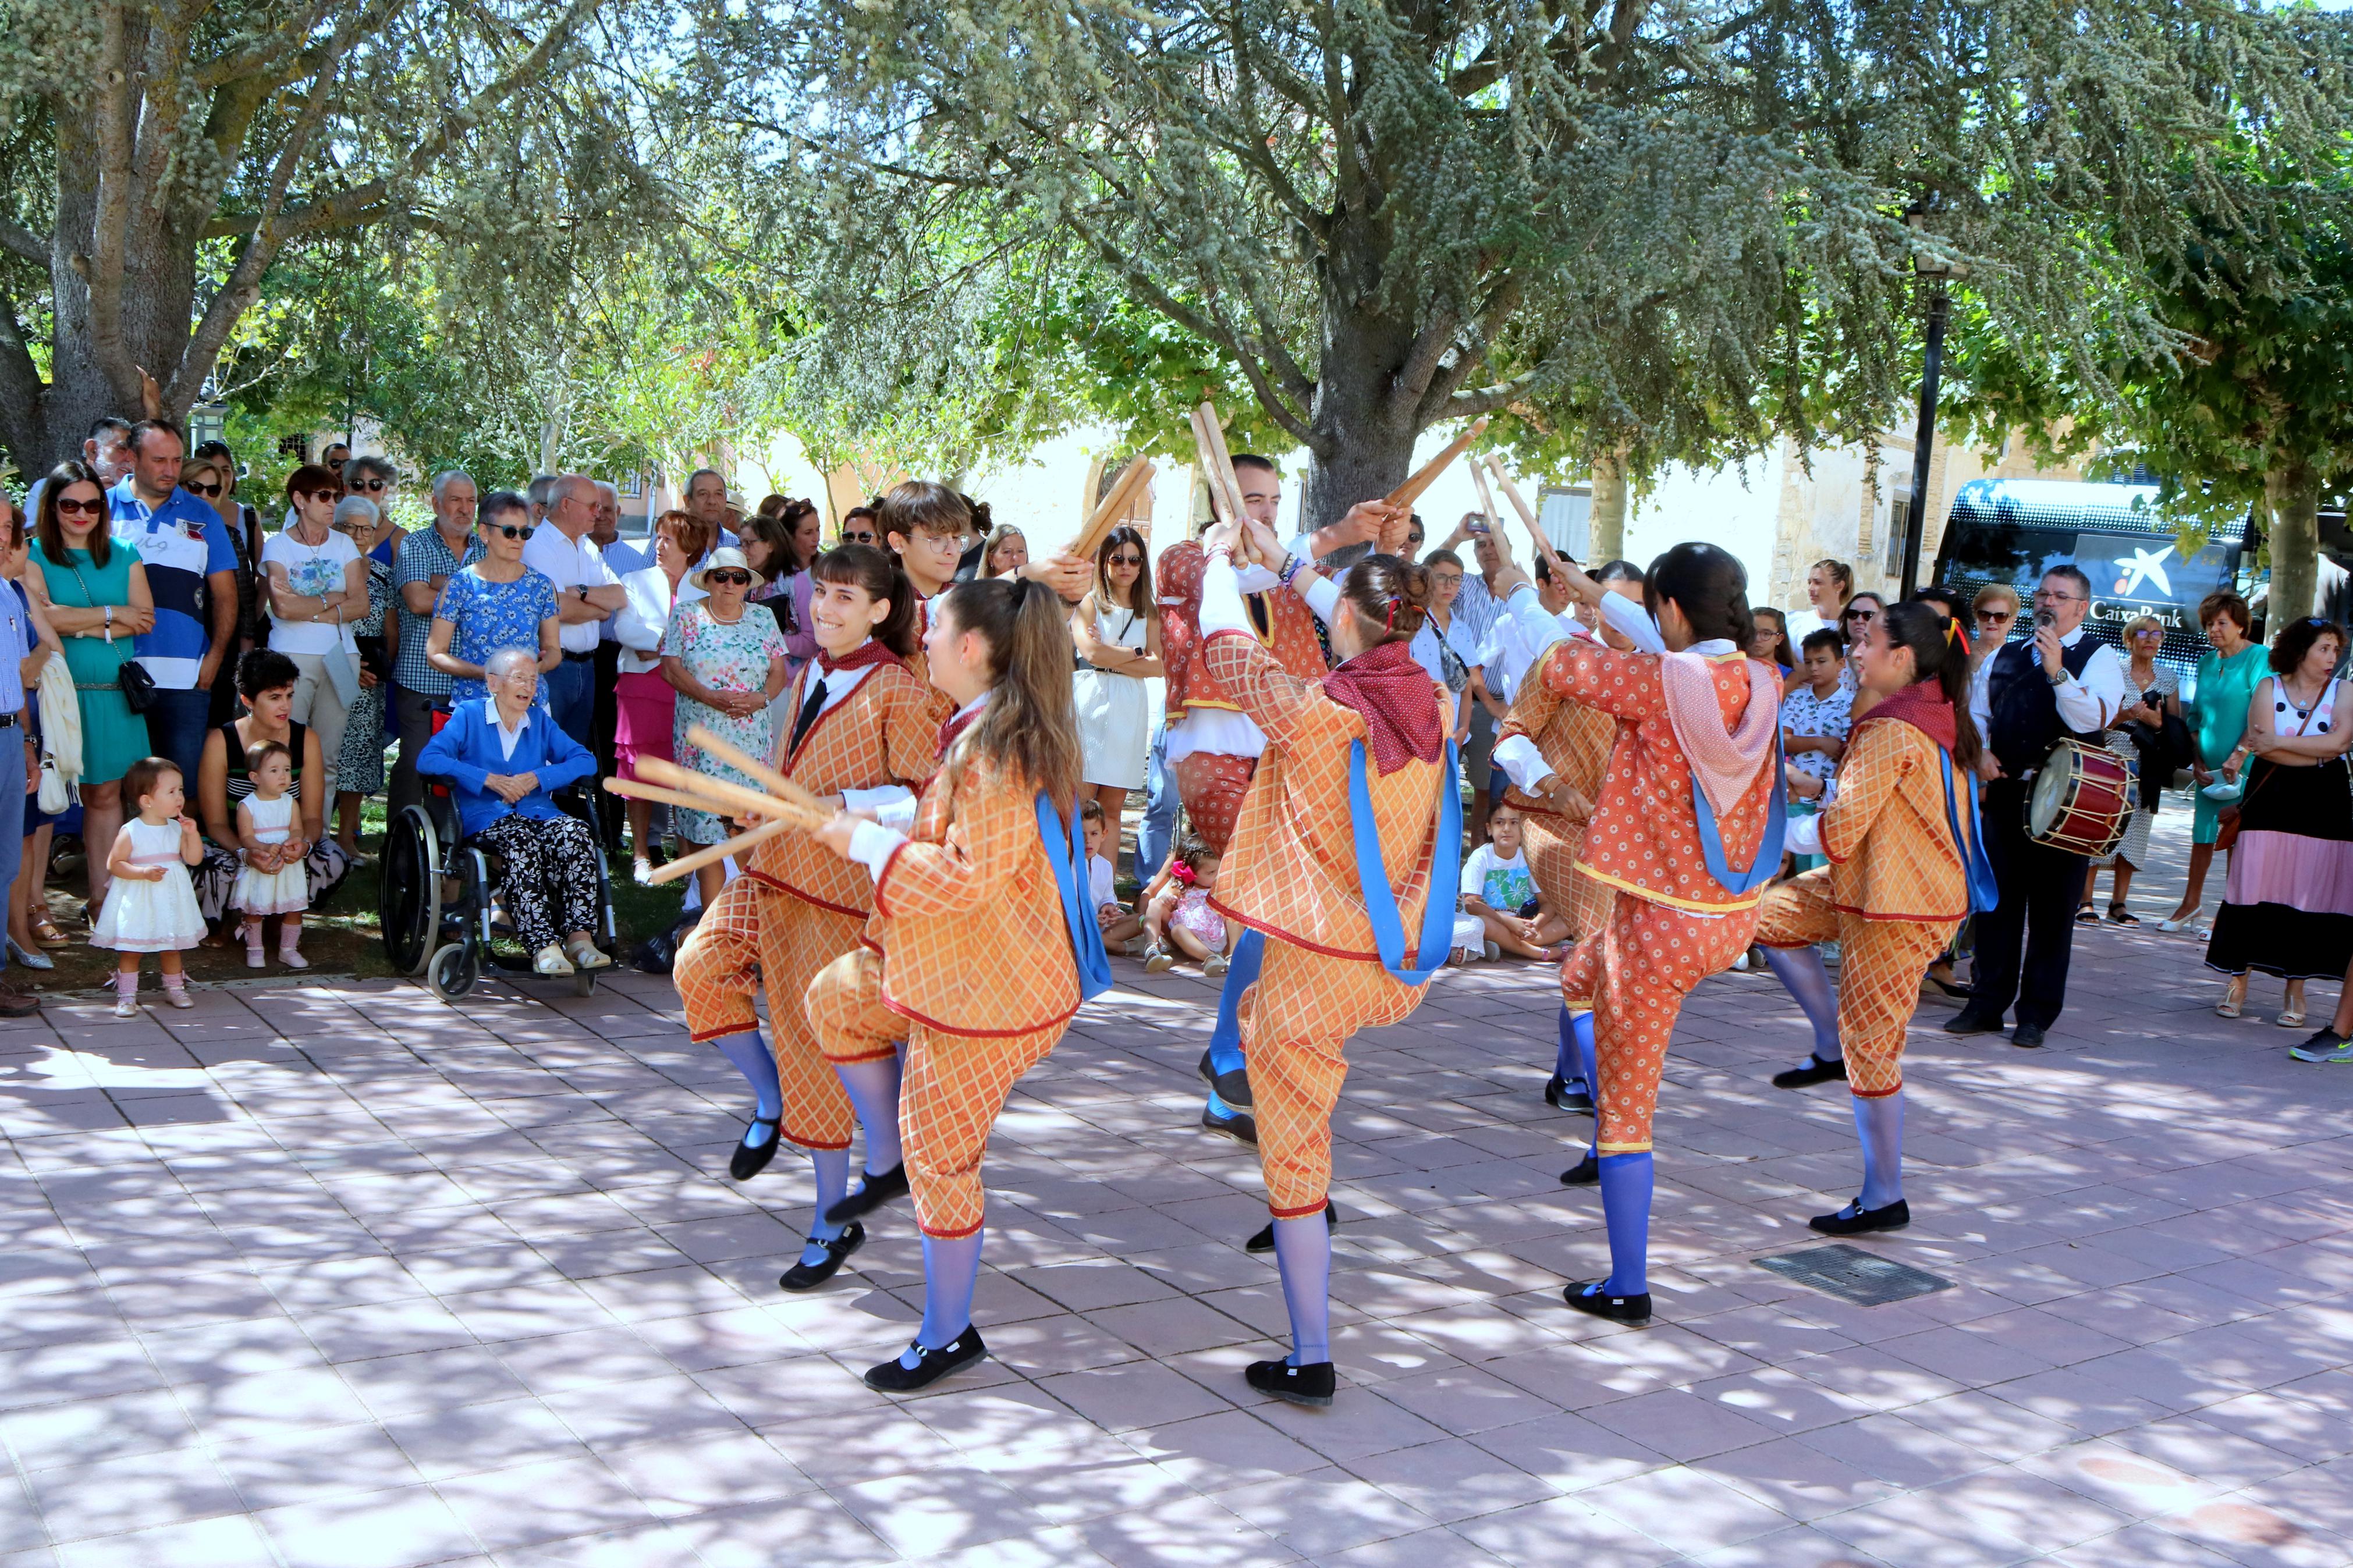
[
  {"x": 1902, "y": 836},
  {"x": 1685, "y": 833},
  {"x": 982, "y": 944},
  {"x": 863, "y": 733},
  {"x": 1347, "y": 842}
]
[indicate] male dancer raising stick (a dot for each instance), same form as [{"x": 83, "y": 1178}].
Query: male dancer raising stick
[
  {"x": 987, "y": 936},
  {"x": 1345, "y": 852},
  {"x": 1897, "y": 888},
  {"x": 1213, "y": 745},
  {"x": 1686, "y": 832},
  {"x": 864, "y": 730}
]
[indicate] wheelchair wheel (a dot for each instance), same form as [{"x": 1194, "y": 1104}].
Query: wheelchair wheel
[
  {"x": 583, "y": 981},
  {"x": 452, "y": 971},
  {"x": 408, "y": 904}
]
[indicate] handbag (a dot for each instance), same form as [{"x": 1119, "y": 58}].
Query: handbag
[
  {"x": 138, "y": 687},
  {"x": 52, "y": 796},
  {"x": 2226, "y": 821}
]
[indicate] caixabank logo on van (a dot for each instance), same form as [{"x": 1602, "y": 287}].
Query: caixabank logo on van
[{"x": 2137, "y": 575}]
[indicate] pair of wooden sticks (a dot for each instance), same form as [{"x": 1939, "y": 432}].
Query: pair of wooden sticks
[
  {"x": 1225, "y": 492},
  {"x": 1113, "y": 508},
  {"x": 786, "y": 804},
  {"x": 1545, "y": 551}
]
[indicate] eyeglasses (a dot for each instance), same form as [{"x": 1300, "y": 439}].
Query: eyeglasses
[
  {"x": 2049, "y": 596},
  {"x": 369, "y": 485},
  {"x": 208, "y": 492},
  {"x": 728, "y": 577},
  {"x": 512, "y": 529},
  {"x": 1446, "y": 579},
  {"x": 1127, "y": 559},
  {"x": 82, "y": 508}
]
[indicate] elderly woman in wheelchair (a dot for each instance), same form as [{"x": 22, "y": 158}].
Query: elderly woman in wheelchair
[{"x": 504, "y": 758}]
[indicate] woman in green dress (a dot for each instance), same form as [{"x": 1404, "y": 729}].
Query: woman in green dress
[
  {"x": 2227, "y": 679},
  {"x": 93, "y": 591}
]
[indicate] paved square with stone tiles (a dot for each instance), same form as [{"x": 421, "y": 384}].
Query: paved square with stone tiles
[{"x": 336, "y": 1275}]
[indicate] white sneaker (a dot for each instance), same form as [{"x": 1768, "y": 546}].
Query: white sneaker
[
  {"x": 178, "y": 996},
  {"x": 291, "y": 959},
  {"x": 125, "y": 1007},
  {"x": 255, "y": 958},
  {"x": 550, "y": 959}
]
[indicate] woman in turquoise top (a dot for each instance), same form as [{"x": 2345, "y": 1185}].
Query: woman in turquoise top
[
  {"x": 94, "y": 592},
  {"x": 2218, "y": 717}
]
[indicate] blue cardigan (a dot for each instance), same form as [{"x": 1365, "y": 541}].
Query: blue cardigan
[{"x": 466, "y": 753}]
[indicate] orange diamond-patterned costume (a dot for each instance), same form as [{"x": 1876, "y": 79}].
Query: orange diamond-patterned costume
[
  {"x": 1671, "y": 924},
  {"x": 1892, "y": 896},
  {"x": 795, "y": 907},
  {"x": 1210, "y": 782},
  {"x": 1292, "y": 873},
  {"x": 1575, "y": 741},
  {"x": 968, "y": 958}
]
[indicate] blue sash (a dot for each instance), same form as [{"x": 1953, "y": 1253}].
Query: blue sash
[
  {"x": 1067, "y": 853},
  {"x": 1445, "y": 874},
  {"x": 1976, "y": 870},
  {"x": 1761, "y": 869}
]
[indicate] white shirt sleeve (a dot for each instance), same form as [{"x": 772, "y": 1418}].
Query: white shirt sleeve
[
  {"x": 1633, "y": 621},
  {"x": 884, "y": 802},
  {"x": 1804, "y": 835},
  {"x": 1221, "y": 599},
  {"x": 1473, "y": 884},
  {"x": 1521, "y": 762},
  {"x": 872, "y": 845},
  {"x": 1322, "y": 596},
  {"x": 2092, "y": 700},
  {"x": 1981, "y": 697}
]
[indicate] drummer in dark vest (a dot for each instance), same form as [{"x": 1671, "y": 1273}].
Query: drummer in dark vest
[{"x": 2028, "y": 697}]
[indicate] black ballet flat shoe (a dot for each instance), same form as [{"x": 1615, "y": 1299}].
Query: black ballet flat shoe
[
  {"x": 750, "y": 1159},
  {"x": 2029, "y": 1036},
  {"x": 1242, "y": 1129},
  {"x": 1233, "y": 1088},
  {"x": 1586, "y": 1172},
  {"x": 1856, "y": 1220},
  {"x": 1970, "y": 1022},
  {"x": 1264, "y": 1240},
  {"x": 1560, "y": 1097},
  {"x": 1586, "y": 1297},
  {"x": 871, "y": 1194},
  {"x": 1810, "y": 1071},
  {"x": 1945, "y": 988},
  {"x": 930, "y": 1365},
  {"x": 809, "y": 1276},
  {"x": 1308, "y": 1384}
]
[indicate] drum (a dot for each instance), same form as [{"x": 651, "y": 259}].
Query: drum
[{"x": 2082, "y": 800}]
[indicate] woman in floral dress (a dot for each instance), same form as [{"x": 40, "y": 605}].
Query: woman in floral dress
[{"x": 728, "y": 663}]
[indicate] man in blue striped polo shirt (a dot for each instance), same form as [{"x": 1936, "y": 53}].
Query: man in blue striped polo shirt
[{"x": 192, "y": 574}]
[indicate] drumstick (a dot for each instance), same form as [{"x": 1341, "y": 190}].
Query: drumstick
[
  {"x": 717, "y": 852},
  {"x": 1114, "y": 507},
  {"x": 737, "y": 800},
  {"x": 1409, "y": 492},
  {"x": 770, "y": 779}
]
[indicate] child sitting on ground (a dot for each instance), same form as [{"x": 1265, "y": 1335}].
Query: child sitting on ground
[
  {"x": 150, "y": 905},
  {"x": 1119, "y": 925},
  {"x": 271, "y": 879},
  {"x": 1179, "y": 915},
  {"x": 1500, "y": 912}
]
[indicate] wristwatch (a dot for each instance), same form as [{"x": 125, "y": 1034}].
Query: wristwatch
[{"x": 2059, "y": 677}]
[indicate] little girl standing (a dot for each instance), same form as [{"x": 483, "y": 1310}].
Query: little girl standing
[
  {"x": 269, "y": 882},
  {"x": 151, "y": 906}
]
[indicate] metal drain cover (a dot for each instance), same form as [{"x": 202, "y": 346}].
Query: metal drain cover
[{"x": 1853, "y": 1275}]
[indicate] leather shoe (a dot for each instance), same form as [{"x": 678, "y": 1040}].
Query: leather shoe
[
  {"x": 2029, "y": 1034},
  {"x": 1812, "y": 1070},
  {"x": 809, "y": 1276},
  {"x": 1240, "y": 1127},
  {"x": 1855, "y": 1220},
  {"x": 931, "y": 1365},
  {"x": 1584, "y": 1173},
  {"x": 1560, "y": 1097},
  {"x": 1264, "y": 1240},
  {"x": 1233, "y": 1088},
  {"x": 871, "y": 1194},
  {"x": 750, "y": 1159},
  {"x": 1588, "y": 1298},
  {"x": 1970, "y": 1022},
  {"x": 1308, "y": 1384}
]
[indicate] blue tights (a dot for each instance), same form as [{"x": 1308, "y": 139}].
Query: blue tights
[
  {"x": 1802, "y": 971},
  {"x": 749, "y": 1053},
  {"x": 1302, "y": 1252}
]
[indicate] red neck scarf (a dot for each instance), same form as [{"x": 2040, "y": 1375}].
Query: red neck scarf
[
  {"x": 866, "y": 653},
  {"x": 1398, "y": 701},
  {"x": 1922, "y": 705},
  {"x": 956, "y": 724}
]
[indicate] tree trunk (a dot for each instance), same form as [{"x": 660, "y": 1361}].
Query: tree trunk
[
  {"x": 1364, "y": 442},
  {"x": 2292, "y": 490},
  {"x": 1609, "y": 515}
]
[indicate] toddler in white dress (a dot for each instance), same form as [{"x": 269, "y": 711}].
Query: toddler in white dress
[
  {"x": 270, "y": 879},
  {"x": 150, "y": 904}
]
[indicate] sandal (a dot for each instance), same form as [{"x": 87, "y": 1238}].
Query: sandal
[
  {"x": 2086, "y": 915},
  {"x": 2290, "y": 1018},
  {"x": 2120, "y": 916},
  {"x": 2228, "y": 1007},
  {"x": 46, "y": 933}
]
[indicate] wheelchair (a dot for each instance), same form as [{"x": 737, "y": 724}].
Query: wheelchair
[{"x": 434, "y": 898}]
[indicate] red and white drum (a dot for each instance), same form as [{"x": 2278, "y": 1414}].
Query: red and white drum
[{"x": 2082, "y": 800}]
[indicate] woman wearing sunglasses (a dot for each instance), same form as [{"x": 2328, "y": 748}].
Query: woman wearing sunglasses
[
  {"x": 728, "y": 663},
  {"x": 318, "y": 588},
  {"x": 94, "y": 593},
  {"x": 495, "y": 603},
  {"x": 1117, "y": 629}
]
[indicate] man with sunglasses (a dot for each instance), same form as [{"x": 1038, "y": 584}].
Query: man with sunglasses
[
  {"x": 191, "y": 569},
  {"x": 587, "y": 592},
  {"x": 2027, "y": 697}
]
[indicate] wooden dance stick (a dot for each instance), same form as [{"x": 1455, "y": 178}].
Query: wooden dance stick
[
  {"x": 738, "y": 844},
  {"x": 717, "y": 806},
  {"x": 1519, "y": 502},
  {"x": 770, "y": 779},
  {"x": 1486, "y": 497},
  {"x": 1410, "y": 491},
  {"x": 1211, "y": 438},
  {"x": 732, "y": 798},
  {"x": 1114, "y": 508}
]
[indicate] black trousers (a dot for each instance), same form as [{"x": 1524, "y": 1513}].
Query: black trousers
[{"x": 2039, "y": 889}]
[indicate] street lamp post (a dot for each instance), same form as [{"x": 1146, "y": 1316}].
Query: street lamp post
[{"x": 1934, "y": 270}]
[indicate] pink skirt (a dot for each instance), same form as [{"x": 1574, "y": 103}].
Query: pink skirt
[{"x": 645, "y": 703}]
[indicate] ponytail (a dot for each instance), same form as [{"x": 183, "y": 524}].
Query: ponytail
[
  {"x": 1709, "y": 586},
  {"x": 1940, "y": 652},
  {"x": 1030, "y": 726},
  {"x": 879, "y": 573}
]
